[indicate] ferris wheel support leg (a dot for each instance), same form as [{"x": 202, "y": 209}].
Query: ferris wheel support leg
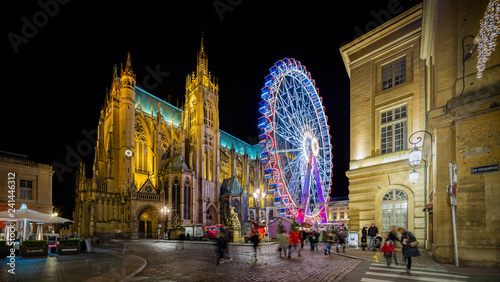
[
  {"x": 321, "y": 199},
  {"x": 305, "y": 193}
]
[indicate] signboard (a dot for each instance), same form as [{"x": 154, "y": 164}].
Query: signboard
[
  {"x": 484, "y": 169},
  {"x": 90, "y": 248},
  {"x": 246, "y": 229},
  {"x": 453, "y": 200},
  {"x": 353, "y": 239}
]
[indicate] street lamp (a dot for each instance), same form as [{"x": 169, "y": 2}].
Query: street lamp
[
  {"x": 257, "y": 196},
  {"x": 414, "y": 160}
]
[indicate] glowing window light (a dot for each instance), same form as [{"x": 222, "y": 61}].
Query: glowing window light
[{"x": 488, "y": 32}]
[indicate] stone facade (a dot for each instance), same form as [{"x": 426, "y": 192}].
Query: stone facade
[
  {"x": 33, "y": 184},
  {"x": 455, "y": 118},
  {"x": 387, "y": 104},
  {"x": 464, "y": 120},
  {"x": 151, "y": 155}
]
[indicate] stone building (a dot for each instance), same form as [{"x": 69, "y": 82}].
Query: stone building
[
  {"x": 338, "y": 211},
  {"x": 151, "y": 155},
  {"x": 463, "y": 119},
  {"x": 387, "y": 104},
  {"x": 33, "y": 184},
  {"x": 418, "y": 73}
]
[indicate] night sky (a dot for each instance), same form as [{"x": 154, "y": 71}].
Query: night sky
[{"x": 59, "y": 62}]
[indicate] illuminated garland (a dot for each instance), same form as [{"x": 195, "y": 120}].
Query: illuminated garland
[{"x": 490, "y": 28}]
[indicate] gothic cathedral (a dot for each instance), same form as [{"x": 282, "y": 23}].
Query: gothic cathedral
[{"x": 158, "y": 166}]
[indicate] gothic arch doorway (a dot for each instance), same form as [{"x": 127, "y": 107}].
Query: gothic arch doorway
[
  {"x": 147, "y": 223},
  {"x": 211, "y": 216}
]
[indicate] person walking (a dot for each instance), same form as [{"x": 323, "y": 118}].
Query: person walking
[
  {"x": 316, "y": 240},
  {"x": 302, "y": 238},
  {"x": 294, "y": 243},
  {"x": 221, "y": 247},
  {"x": 364, "y": 235},
  {"x": 255, "y": 241},
  {"x": 394, "y": 236},
  {"x": 341, "y": 237},
  {"x": 387, "y": 249},
  {"x": 283, "y": 242},
  {"x": 372, "y": 233},
  {"x": 327, "y": 238},
  {"x": 410, "y": 248}
]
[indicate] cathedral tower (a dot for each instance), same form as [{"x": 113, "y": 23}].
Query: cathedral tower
[{"x": 203, "y": 136}]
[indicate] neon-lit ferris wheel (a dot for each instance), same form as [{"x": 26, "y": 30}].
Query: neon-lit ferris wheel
[{"x": 295, "y": 133}]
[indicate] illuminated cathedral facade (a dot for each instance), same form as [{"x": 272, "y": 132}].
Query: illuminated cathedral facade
[{"x": 157, "y": 165}]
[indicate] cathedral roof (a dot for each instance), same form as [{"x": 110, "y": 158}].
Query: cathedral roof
[
  {"x": 227, "y": 140},
  {"x": 147, "y": 101},
  {"x": 231, "y": 186},
  {"x": 176, "y": 161}
]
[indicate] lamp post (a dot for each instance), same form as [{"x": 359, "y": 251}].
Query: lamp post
[
  {"x": 414, "y": 159},
  {"x": 164, "y": 211},
  {"x": 257, "y": 196}
]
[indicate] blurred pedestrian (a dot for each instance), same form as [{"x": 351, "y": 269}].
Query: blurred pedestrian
[
  {"x": 341, "y": 237},
  {"x": 327, "y": 238},
  {"x": 302, "y": 238},
  {"x": 255, "y": 241},
  {"x": 410, "y": 248},
  {"x": 283, "y": 242},
  {"x": 221, "y": 247},
  {"x": 394, "y": 236},
  {"x": 294, "y": 243}
]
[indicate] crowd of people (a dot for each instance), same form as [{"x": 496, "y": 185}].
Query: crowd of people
[
  {"x": 288, "y": 242},
  {"x": 398, "y": 240},
  {"x": 292, "y": 242}
]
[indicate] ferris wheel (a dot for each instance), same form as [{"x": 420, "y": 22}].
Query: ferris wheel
[{"x": 295, "y": 135}]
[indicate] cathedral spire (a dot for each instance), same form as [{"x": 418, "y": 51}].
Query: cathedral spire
[
  {"x": 128, "y": 67},
  {"x": 202, "y": 65}
]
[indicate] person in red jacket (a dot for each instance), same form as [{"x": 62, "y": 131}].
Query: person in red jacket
[
  {"x": 294, "y": 243},
  {"x": 387, "y": 249}
]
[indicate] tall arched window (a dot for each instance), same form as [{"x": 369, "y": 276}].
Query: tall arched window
[
  {"x": 187, "y": 199},
  {"x": 394, "y": 210},
  {"x": 142, "y": 155},
  {"x": 208, "y": 113},
  {"x": 176, "y": 196}
]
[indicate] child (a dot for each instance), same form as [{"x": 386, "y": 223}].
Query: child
[{"x": 387, "y": 249}]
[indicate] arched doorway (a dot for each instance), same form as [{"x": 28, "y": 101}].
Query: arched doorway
[
  {"x": 211, "y": 216},
  {"x": 147, "y": 223}
]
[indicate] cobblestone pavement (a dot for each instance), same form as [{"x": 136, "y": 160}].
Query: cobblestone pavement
[{"x": 166, "y": 261}]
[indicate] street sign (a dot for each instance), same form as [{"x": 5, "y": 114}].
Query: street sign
[
  {"x": 484, "y": 169},
  {"x": 453, "y": 200}
]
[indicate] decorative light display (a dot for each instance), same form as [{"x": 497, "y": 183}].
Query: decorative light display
[
  {"x": 295, "y": 134},
  {"x": 487, "y": 37}
]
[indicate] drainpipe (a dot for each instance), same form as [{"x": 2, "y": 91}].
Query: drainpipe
[{"x": 425, "y": 167}]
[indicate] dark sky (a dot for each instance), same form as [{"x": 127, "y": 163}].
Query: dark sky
[{"x": 59, "y": 62}]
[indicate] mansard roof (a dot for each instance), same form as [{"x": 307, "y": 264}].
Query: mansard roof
[{"x": 231, "y": 186}]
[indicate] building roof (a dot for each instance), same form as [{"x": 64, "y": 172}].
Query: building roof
[
  {"x": 231, "y": 186},
  {"x": 176, "y": 161},
  {"x": 149, "y": 103},
  {"x": 228, "y": 141}
]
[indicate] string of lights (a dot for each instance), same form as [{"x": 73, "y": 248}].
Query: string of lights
[{"x": 487, "y": 37}]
